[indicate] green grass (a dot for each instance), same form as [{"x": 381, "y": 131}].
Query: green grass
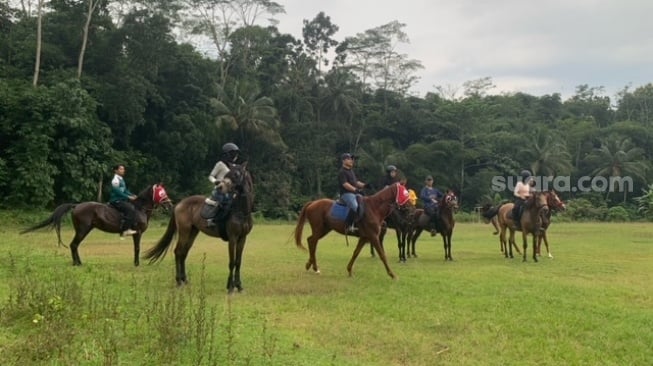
[{"x": 590, "y": 305}]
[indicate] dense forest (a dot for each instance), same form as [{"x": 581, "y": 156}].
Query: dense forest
[{"x": 86, "y": 84}]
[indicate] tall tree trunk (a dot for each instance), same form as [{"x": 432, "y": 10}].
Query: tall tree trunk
[
  {"x": 37, "y": 63},
  {"x": 92, "y": 4}
]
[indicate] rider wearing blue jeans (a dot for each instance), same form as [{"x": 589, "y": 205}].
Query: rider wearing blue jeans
[{"x": 349, "y": 186}]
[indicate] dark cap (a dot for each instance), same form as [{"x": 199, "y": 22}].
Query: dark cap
[
  {"x": 428, "y": 177},
  {"x": 347, "y": 156}
]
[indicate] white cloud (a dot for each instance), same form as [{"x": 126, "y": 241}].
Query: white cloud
[{"x": 538, "y": 48}]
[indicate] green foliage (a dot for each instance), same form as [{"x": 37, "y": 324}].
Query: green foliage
[
  {"x": 150, "y": 101},
  {"x": 617, "y": 214},
  {"x": 645, "y": 202},
  {"x": 582, "y": 209}
]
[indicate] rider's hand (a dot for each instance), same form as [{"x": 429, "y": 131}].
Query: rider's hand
[{"x": 132, "y": 197}]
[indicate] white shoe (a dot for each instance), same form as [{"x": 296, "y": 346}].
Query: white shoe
[{"x": 129, "y": 232}]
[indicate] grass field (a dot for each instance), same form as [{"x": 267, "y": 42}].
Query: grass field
[{"x": 590, "y": 305}]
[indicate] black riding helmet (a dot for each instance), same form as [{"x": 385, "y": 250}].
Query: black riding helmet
[
  {"x": 390, "y": 168},
  {"x": 525, "y": 174},
  {"x": 229, "y": 147},
  {"x": 230, "y": 152}
]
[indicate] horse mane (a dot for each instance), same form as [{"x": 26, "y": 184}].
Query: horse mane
[{"x": 143, "y": 197}]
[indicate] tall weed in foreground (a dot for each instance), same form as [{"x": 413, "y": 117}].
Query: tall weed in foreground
[{"x": 61, "y": 318}]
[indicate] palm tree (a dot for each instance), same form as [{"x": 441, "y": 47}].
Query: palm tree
[
  {"x": 247, "y": 112},
  {"x": 618, "y": 158},
  {"x": 548, "y": 155}
]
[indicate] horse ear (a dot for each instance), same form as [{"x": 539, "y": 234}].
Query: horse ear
[{"x": 244, "y": 165}]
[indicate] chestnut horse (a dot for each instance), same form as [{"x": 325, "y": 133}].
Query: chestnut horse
[
  {"x": 553, "y": 201},
  {"x": 89, "y": 215},
  {"x": 187, "y": 222},
  {"x": 376, "y": 208},
  {"x": 448, "y": 205},
  {"x": 533, "y": 220}
]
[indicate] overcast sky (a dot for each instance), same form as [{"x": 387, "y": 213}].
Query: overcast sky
[{"x": 536, "y": 47}]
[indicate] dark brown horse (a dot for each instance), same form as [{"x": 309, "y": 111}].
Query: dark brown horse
[
  {"x": 553, "y": 202},
  {"x": 376, "y": 208},
  {"x": 401, "y": 220},
  {"x": 448, "y": 205},
  {"x": 187, "y": 222},
  {"x": 89, "y": 215}
]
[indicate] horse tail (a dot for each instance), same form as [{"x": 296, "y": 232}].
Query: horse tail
[
  {"x": 491, "y": 212},
  {"x": 158, "y": 252},
  {"x": 300, "y": 227},
  {"x": 54, "y": 221}
]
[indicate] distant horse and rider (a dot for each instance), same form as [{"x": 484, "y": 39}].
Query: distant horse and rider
[
  {"x": 233, "y": 226},
  {"x": 533, "y": 221},
  {"x": 325, "y": 215},
  {"x": 492, "y": 215},
  {"x": 444, "y": 224},
  {"x": 89, "y": 215}
]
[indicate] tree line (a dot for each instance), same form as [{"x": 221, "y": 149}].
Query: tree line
[{"x": 161, "y": 85}]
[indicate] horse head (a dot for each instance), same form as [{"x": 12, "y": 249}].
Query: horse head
[
  {"x": 239, "y": 182},
  {"x": 154, "y": 195},
  {"x": 450, "y": 201},
  {"x": 554, "y": 201},
  {"x": 540, "y": 202}
]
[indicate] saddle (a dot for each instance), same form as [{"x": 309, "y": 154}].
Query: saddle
[{"x": 340, "y": 211}]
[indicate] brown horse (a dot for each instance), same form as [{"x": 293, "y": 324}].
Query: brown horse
[
  {"x": 376, "y": 208},
  {"x": 187, "y": 222},
  {"x": 555, "y": 204},
  {"x": 448, "y": 205},
  {"x": 532, "y": 221},
  {"x": 89, "y": 215},
  {"x": 553, "y": 201}
]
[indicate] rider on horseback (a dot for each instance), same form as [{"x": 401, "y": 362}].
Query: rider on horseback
[
  {"x": 349, "y": 187},
  {"x": 390, "y": 176},
  {"x": 219, "y": 198},
  {"x": 120, "y": 199},
  {"x": 522, "y": 192},
  {"x": 430, "y": 196}
]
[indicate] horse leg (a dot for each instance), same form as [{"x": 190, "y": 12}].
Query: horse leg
[
  {"x": 534, "y": 247},
  {"x": 184, "y": 243},
  {"x": 546, "y": 243},
  {"x": 80, "y": 234},
  {"x": 312, "y": 248},
  {"x": 502, "y": 242},
  {"x": 384, "y": 259},
  {"x": 413, "y": 239},
  {"x": 235, "y": 257},
  {"x": 525, "y": 244},
  {"x": 357, "y": 250},
  {"x": 137, "y": 248},
  {"x": 449, "y": 235},
  {"x": 401, "y": 245}
]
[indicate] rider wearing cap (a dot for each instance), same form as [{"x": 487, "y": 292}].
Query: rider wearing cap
[
  {"x": 349, "y": 186},
  {"x": 521, "y": 192},
  {"x": 219, "y": 198}
]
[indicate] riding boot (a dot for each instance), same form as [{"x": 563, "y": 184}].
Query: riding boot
[
  {"x": 434, "y": 225},
  {"x": 211, "y": 222}
]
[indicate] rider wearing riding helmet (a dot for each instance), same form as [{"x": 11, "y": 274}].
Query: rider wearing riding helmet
[
  {"x": 230, "y": 152},
  {"x": 521, "y": 192},
  {"x": 391, "y": 176}
]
